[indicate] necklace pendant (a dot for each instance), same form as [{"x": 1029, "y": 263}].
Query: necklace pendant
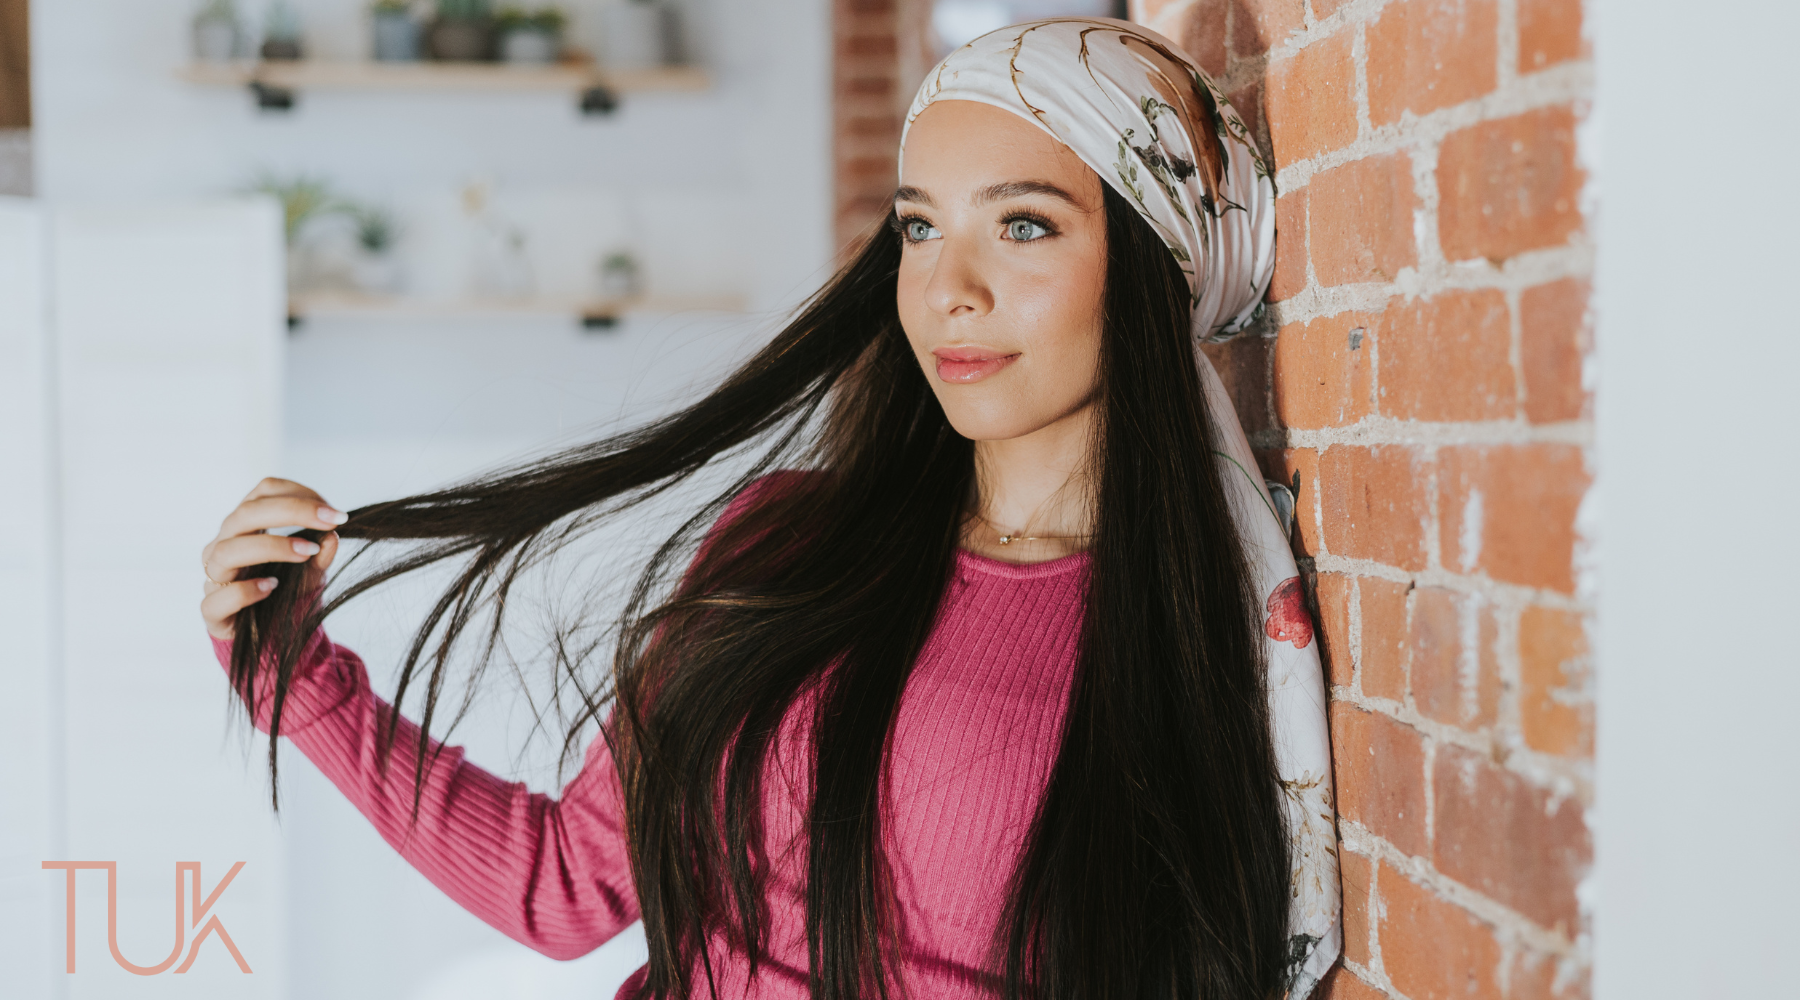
[{"x": 1007, "y": 539}]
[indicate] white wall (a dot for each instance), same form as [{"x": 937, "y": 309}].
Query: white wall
[
  {"x": 142, "y": 388},
  {"x": 30, "y": 719},
  {"x": 734, "y": 182},
  {"x": 1698, "y": 856}
]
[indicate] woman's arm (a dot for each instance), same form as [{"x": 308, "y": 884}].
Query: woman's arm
[{"x": 549, "y": 873}]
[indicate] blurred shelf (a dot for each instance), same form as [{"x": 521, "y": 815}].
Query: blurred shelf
[
  {"x": 593, "y": 313},
  {"x": 308, "y": 74}
]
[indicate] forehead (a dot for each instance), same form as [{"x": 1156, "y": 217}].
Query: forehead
[{"x": 967, "y": 144}]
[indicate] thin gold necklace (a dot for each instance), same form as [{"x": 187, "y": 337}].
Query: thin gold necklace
[{"x": 1006, "y": 538}]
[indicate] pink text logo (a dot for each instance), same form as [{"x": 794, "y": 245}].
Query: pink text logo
[{"x": 181, "y": 926}]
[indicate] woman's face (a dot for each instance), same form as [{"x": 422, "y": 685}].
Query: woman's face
[{"x": 1003, "y": 270}]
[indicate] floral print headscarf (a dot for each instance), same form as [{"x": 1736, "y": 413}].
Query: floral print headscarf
[{"x": 1149, "y": 122}]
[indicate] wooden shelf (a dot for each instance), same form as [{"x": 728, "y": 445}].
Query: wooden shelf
[
  {"x": 591, "y": 312},
  {"x": 441, "y": 76}
]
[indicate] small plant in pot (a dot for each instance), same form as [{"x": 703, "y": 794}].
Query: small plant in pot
[
  {"x": 375, "y": 268},
  {"x": 303, "y": 198},
  {"x": 281, "y": 32},
  {"x": 396, "y": 31},
  {"x": 463, "y": 31},
  {"x": 532, "y": 37},
  {"x": 216, "y": 31}
]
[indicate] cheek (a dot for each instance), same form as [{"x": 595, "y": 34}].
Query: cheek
[
  {"x": 1054, "y": 313},
  {"x": 1058, "y": 314}
]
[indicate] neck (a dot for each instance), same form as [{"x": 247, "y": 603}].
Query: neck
[{"x": 1035, "y": 485}]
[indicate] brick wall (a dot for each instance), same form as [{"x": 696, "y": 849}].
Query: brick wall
[
  {"x": 880, "y": 56},
  {"x": 1421, "y": 371}
]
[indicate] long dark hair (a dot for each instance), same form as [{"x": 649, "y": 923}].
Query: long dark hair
[{"x": 1156, "y": 865}]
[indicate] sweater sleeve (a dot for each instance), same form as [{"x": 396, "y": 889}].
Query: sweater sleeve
[{"x": 550, "y": 873}]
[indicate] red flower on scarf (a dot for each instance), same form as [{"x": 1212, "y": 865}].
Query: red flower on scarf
[{"x": 1288, "y": 620}]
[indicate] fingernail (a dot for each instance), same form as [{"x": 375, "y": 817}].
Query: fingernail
[
  {"x": 305, "y": 547},
  {"x": 266, "y": 584},
  {"x": 332, "y": 516}
]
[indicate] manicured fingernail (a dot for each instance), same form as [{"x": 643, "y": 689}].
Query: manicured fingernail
[
  {"x": 266, "y": 584},
  {"x": 305, "y": 547},
  {"x": 332, "y": 516}
]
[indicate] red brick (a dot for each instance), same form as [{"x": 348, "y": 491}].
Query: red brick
[
  {"x": 1556, "y": 709},
  {"x": 1361, "y": 220},
  {"x": 868, "y": 45},
  {"x": 1145, "y": 11},
  {"x": 1525, "y": 497},
  {"x": 1321, "y": 373},
  {"x": 1290, "y": 246},
  {"x": 1430, "y": 54},
  {"x": 1554, "y": 337},
  {"x": 879, "y": 86},
  {"x": 1508, "y": 186},
  {"x": 1433, "y": 949},
  {"x": 1443, "y": 686},
  {"x": 1384, "y": 636},
  {"x": 1243, "y": 365},
  {"x": 868, "y": 166},
  {"x": 1355, "y": 875},
  {"x": 1334, "y": 626},
  {"x": 1341, "y": 984},
  {"x": 1448, "y": 357},
  {"x": 1375, "y": 503},
  {"x": 1312, "y": 100},
  {"x": 1379, "y": 770},
  {"x": 1325, "y": 8},
  {"x": 1549, "y": 33},
  {"x": 1500, "y": 835},
  {"x": 862, "y": 125},
  {"x": 1203, "y": 33},
  {"x": 1259, "y": 25}
]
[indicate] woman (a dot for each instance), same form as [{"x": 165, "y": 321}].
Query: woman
[{"x": 991, "y": 679}]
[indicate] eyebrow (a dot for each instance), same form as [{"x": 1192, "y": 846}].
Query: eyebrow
[{"x": 993, "y": 193}]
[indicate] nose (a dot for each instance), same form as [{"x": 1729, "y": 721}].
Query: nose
[{"x": 956, "y": 288}]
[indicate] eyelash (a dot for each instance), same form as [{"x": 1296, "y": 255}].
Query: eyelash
[{"x": 902, "y": 223}]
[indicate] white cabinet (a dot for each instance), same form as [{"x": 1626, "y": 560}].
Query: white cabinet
[{"x": 142, "y": 406}]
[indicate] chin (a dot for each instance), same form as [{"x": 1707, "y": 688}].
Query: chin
[{"x": 977, "y": 424}]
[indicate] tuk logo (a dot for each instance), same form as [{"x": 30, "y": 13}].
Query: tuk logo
[{"x": 200, "y": 908}]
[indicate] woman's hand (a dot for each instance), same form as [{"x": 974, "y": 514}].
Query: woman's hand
[{"x": 244, "y": 540}]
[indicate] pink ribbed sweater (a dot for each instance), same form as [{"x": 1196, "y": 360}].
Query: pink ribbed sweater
[{"x": 976, "y": 735}]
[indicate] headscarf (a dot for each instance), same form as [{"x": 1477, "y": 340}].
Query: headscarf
[{"x": 1138, "y": 111}]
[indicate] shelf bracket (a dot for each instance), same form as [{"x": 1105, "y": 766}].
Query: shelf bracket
[
  {"x": 599, "y": 100},
  {"x": 269, "y": 98}
]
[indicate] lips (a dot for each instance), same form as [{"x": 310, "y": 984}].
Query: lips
[{"x": 969, "y": 364}]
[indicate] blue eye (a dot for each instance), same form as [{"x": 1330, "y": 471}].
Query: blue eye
[
  {"x": 1025, "y": 230},
  {"x": 918, "y": 230}
]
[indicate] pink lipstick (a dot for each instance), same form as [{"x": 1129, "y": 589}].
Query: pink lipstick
[{"x": 969, "y": 364}]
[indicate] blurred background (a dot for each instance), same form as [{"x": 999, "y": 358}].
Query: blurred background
[
  {"x": 1531, "y": 394},
  {"x": 372, "y": 247}
]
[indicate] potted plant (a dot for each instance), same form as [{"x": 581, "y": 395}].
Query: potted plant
[
  {"x": 281, "y": 32},
  {"x": 216, "y": 31},
  {"x": 396, "y": 31},
  {"x": 375, "y": 268},
  {"x": 620, "y": 276},
  {"x": 462, "y": 31},
  {"x": 303, "y": 198},
  {"x": 530, "y": 36}
]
